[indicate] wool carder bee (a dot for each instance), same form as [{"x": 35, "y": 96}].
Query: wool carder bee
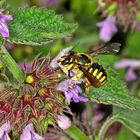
[{"x": 81, "y": 65}]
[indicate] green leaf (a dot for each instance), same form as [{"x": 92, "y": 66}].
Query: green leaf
[
  {"x": 75, "y": 133},
  {"x": 114, "y": 93},
  {"x": 132, "y": 49},
  {"x": 131, "y": 119},
  {"x": 36, "y": 26},
  {"x": 125, "y": 134}
]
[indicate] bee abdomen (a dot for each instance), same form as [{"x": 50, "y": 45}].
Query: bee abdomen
[{"x": 99, "y": 76}]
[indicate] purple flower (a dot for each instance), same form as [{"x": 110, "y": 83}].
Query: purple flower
[
  {"x": 72, "y": 91},
  {"x": 107, "y": 28},
  {"x": 3, "y": 26},
  {"x": 131, "y": 65},
  {"x": 29, "y": 134},
  {"x": 130, "y": 75},
  {"x": 4, "y": 129},
  {"x": 63, "y": 122}
]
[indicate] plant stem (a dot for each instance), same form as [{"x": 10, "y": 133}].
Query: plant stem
[
  {"x": 12, "y": 65},
  {"x": 76, "y": 134},
  {"x": 89, "y": 111},
  {"x": 105, "y": 127}
]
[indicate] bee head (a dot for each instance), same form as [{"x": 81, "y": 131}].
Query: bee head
[{"x": 67, "y": 61}]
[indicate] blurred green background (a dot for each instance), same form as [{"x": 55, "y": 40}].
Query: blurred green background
[{"x": 86, "y": 38}]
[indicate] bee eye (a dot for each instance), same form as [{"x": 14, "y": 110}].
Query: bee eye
[{"x": 66, "y": 61}]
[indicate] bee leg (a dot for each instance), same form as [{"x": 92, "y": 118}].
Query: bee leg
[
  {"x": 69, "y": 73},
  {"x": 76, "y": 77},
  {"x": 88, "y": 85}
]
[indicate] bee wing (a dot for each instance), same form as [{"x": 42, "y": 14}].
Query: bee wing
[
  {"x": 88, "y": 75},
  {"x": 111, "y": 48}
]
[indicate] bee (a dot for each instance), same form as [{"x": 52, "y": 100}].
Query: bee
[{"x": 81, "y": 65}]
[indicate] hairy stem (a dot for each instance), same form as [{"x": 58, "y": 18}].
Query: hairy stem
[
  {"x": 12, "y": 65},
  {"x": 105, "y": 127}
]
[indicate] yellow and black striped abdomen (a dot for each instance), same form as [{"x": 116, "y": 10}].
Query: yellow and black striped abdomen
[{"x": 98, "y": 75}]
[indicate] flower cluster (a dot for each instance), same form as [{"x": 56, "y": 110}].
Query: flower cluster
[
  {"x": 123, "y": 13},
  {"x": 36, "y": 101},
  {"x": 126, "y": 14}
]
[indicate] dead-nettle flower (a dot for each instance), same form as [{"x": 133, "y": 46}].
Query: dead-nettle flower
[
  {"x": 72, "y": 90},
  {"x": 3, "y": 26},
  {"x": 131, "y": 65},
  {"x": 4, "y": 130},
  {"x": 29, "y": 134},
  {"x": 63, "y": 122},
  {"x": 107, "y": 28},
  {"x": 130, "y": 75},
  {"x": 35, "y": 101}
]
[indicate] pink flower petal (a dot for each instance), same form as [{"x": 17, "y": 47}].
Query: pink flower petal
[
  {"x": 5, "y": 128},
  {"x": 63, "y": 122},
  {"x": 128, "y": 63},
  {"x": 29, "y": 134},
  {"x": 3, "y": 28},
  {"x": 130, "y": 75},
  {"x": 6, "y": 17},
  {"x": 107, "y": 28}
]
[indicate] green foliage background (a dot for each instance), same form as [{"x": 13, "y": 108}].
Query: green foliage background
[{"x": 40, "y": 30}]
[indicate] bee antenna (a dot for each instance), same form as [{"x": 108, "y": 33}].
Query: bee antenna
[{"x": 75, "y": 45}]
